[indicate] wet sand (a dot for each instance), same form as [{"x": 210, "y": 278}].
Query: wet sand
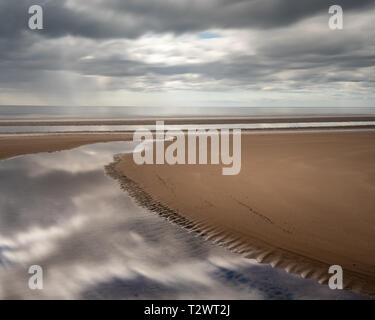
[
  {"x": 302, "y": 201},
  {"x": 18, "y": 144}
]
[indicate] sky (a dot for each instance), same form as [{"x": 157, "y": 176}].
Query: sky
[{"x": 276, "y": 53}]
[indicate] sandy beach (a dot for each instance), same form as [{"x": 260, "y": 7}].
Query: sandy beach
[{"x": 302, "y": 201}]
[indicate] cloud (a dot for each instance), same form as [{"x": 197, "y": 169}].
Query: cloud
[
  {"x": 133, "y": 18},
  {"x": 107, "y": 52}
]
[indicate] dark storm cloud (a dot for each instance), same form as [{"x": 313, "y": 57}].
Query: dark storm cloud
[
  {"x": 183, "y": 16},
  {"x": 133, "y": 18}
]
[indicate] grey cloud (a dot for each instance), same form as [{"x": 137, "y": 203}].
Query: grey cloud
[
  {"x": 45, "y": 64},
  {"x": 183, "y": 16},
  {"x": 132, "y": 18}
]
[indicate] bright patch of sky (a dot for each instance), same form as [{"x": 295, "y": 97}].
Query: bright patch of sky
[{"x": 208, "y": 35}]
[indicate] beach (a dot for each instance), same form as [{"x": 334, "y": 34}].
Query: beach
[
  {"x": 94, "y": 242},
  {"x": 302, "y": 201},
  {"x": 175, "y": 150}
]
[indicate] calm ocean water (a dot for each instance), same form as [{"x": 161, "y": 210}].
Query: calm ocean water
[
  {"x": 76, "y": 112},
  {"x": 246, "y": 126}
]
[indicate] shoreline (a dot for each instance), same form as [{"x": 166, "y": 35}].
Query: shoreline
[
  {"x": 185, "y": 120},
  {"x": 304, "y": 198},
  {"x": 152, "y": 186},
  {"x": 20, "y": 144},
  {"x": 257, "y": 249}
]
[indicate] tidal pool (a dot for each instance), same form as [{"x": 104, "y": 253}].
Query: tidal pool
[{"x": 62, "y": 212}]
